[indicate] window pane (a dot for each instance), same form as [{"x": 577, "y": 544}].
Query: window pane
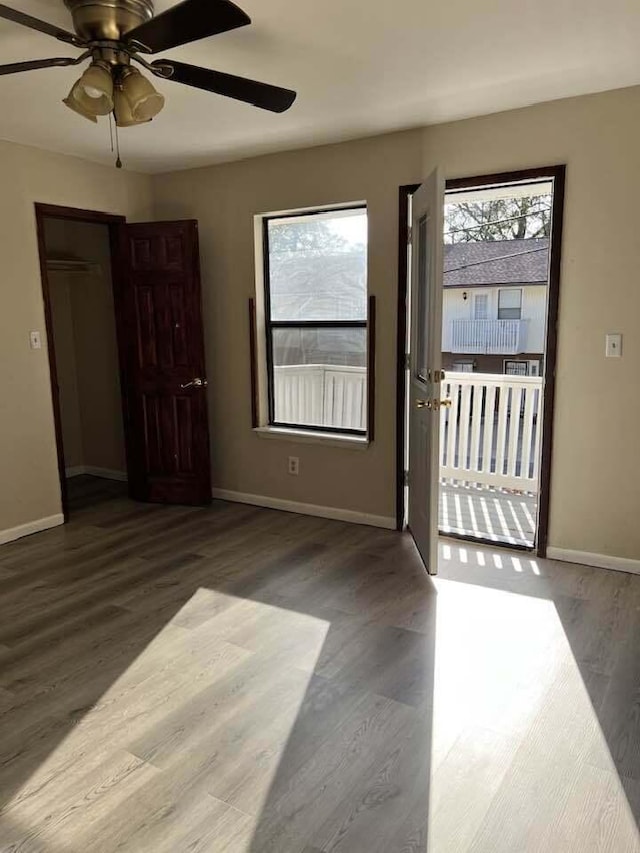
[
  {"x": 320, "y": 377},
  {"x": 318, "y": 266},
  {"x": 481, "y": 306},
  {"x": 509, "y": 314},
  {"x": 509, "y": 304},
  {"x": 422, "y": 317},
  {"x": 510, "y": 298}
]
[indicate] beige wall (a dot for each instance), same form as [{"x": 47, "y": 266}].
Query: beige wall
[
  {"x": 595, "y": 494},
  {"x": 595, "y": 497},
  {"x": 224, "y": 199},
  {"x": 84, "y": 320},
  {"x": 27, "y": 444}
]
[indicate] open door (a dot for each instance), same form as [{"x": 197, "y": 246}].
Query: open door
[
  {"x": 425, "y": 288},
  {"x": 161, "y": 344}
]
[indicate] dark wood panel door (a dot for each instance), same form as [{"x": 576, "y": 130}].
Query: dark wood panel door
[{"x": 161, "y": 342}]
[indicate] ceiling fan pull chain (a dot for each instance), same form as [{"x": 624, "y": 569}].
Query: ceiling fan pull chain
[
  {"x": 111, "y": 130},
  {"x": 118, "y": 161}
]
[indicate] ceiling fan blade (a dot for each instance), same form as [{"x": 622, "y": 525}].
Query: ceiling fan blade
[
  {"x": 42, "y": 26},
  {"x": 34, "y": 64},
  {"x": 258, "y": 94},
  {"x": 188, "y": 21}
]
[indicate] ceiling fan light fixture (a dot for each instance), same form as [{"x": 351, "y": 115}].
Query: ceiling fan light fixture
[
  {"x": 96, "y": 81},
  {"x": 92, "y": 94},
  {"x": 74, "y": 103},
  {"x": 122, "y": 111},
  {"x": 143, "y": 99}
]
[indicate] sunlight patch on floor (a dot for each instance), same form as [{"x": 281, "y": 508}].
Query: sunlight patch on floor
[
  {"x": 173, "y": 738},
  {"x": 486, "y": 513},
  {"x": 514, "y": 729}
]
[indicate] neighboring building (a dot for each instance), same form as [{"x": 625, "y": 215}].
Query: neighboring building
[{"x": 495, "y": 306}]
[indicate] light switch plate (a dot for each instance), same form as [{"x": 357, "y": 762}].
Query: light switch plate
[
  {"x": 34, "y": 340},
  {"x": 613, "y": 345}
]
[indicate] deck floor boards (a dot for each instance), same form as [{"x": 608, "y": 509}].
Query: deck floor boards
[{"x": 480, "y": 512}]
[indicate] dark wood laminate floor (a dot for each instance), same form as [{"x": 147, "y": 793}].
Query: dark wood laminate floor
[{"x": 244, "y": 680}]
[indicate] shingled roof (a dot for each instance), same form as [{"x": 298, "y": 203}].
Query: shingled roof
[{"x": 496, "y": 262}]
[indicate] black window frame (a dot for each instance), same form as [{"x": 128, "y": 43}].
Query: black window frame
[
  {"x": 515, "y": 361},
  {"x": 270, "y": 325}
]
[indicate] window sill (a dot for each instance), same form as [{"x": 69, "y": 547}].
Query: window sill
[{"x": 329, "y": 439}]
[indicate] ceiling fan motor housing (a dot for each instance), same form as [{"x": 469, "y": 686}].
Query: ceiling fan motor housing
[{"x": 108, "y": 20}]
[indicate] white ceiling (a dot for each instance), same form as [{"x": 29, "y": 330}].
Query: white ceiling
[{"x": 360, "y": 67}]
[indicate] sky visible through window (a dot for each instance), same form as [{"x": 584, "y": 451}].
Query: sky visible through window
[{"x": 351, "y": 228}]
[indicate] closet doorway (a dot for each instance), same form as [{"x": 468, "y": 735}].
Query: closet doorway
[
  {"x": 126, "y": 353},
  {"x": 76, "y": 264}
]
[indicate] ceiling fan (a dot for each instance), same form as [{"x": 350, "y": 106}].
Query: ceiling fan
[{"x": 112, "y": 33}]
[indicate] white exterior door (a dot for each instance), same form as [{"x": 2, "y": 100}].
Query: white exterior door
[{"x": 425, "y": 363}]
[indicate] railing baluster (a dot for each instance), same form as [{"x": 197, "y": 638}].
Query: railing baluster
[
  {"x": 527, "y": 432},
  {"x": 476, "y": 425},
  {"x": 463, "y": 428},
  {"x": 489, "y": 419},
  {"x": 503, "y": 408},
  {"x": 514, "y": 429},
  {"x": 454, "y": 412},
  {"x": 538, "y": 411}
]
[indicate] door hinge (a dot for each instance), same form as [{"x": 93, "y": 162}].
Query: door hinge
[
  {"x": 405, "y": 478},
  {"x": 407, "y": 361},
  {"x": 409, "y": 235}
]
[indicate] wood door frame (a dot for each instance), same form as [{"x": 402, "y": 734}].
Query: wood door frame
[
  {"x": 96, "y": 217},
  {"x": 558, "y": 173}
]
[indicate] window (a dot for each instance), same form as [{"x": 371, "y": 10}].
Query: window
[
  {"x": 315, "y": 272},
  {"x": 481, "y": 306},
  {"x": 516, "y": 368},
  {"x": 463, "y": 366},
  {"x": 422, "y": 314},
  {"x": 509, "y": 304}
]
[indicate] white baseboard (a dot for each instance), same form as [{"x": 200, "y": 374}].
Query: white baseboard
[
  {"x": 600, "y": 561},
  {"x": 387, "y": 522},
  {"x": 30, "y": 527},
  {"x": 107, "y": 473}
]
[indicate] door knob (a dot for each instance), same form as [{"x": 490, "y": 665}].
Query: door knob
[
  {"x": 440, "y": 404},
  {"x": 433, "y": 404},
  {"x": 197, "y": 383}
]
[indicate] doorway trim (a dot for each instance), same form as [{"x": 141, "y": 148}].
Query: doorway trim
[
  {"x": 558, "y": 174},
  {"x": 96, "y": 217}
]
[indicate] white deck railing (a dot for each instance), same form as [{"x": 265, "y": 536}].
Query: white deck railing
[
  {"x": 321, "y": 395},
  {"x": 491, "y": 434},
  {"x": 488, "y": 337}
]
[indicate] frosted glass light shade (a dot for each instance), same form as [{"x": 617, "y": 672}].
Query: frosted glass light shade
[
  {"x": 74, "y": 103},
  {"x": 92, "y": 94},
  {"x": 122, "y": 110},
  {"x": 144, "y": 101}
]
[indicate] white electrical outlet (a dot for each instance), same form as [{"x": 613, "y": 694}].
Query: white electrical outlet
[{"x": 294, "y": 465}]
